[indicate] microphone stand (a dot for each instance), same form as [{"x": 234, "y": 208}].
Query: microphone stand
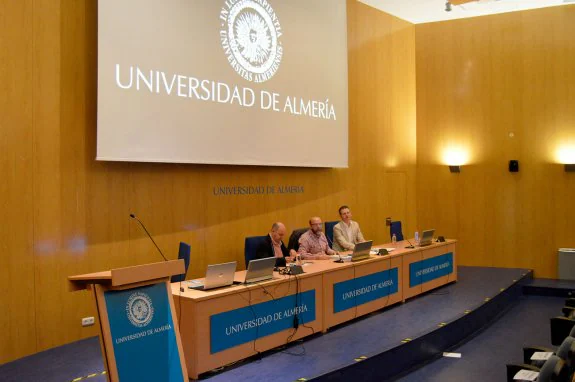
[
  {"x": 340, "y": 260},
  {"x": 150, "y": 236}
]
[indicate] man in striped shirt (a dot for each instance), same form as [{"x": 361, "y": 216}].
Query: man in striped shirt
[{"x": 313, "y": 243}]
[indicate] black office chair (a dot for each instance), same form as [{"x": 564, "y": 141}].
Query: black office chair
[
  {"x": 293, "y": 242},
  {"x": 183, "y": 253}
]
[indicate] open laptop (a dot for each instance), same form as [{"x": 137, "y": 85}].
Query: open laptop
[
  {"x": 426, "y": 237},
  {"x": 361, "y": 250},
  {"x": 260, "y": 270},
  {"x": 217, "y": 276}
]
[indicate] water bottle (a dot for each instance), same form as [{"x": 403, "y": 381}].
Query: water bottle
[
  {"x": 416, "y": 238},
  {"x": 394, "y": 241}
]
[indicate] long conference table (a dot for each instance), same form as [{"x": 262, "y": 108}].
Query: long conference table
[{"x": 222, "y": 326}]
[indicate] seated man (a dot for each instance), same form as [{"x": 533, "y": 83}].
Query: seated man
[
  {"x": 313, "y": 244},
  {"x": 273, "y": 246},
  {"x": 346, "y": 233}
]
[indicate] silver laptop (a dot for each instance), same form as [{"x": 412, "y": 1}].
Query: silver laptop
[
  {"x": 426, "y": 237},
  {"x": 260, "y": 270},
  {"x": 217, "y": 275},
  {"x": 361, "y": 250}
]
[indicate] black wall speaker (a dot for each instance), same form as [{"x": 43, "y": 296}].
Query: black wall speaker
[{"x": 513, "y": 166}]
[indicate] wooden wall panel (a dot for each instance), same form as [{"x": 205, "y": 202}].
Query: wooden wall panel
[
  {"x": 478, "y": 80},
  {"x": 71, "y": 213},
  {"x": 17, "y": 321}
]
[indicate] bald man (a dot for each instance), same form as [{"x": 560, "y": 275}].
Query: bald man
[
  {"x": 313, "y": 243},
  {"x": 273, "y": 246}
]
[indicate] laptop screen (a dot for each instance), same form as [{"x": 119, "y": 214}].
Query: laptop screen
[{"x": 260, "y": 269}]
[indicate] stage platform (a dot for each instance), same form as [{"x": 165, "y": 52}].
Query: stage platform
[
  {"x": 550, "y": 287},
  {"x": 378, "y": 346},
  {"x": 388, "y": 342}
]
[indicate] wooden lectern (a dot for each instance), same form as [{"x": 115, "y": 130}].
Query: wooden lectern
[{"x": 139, "y": 330}]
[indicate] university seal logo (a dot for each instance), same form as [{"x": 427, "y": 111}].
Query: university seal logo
[
  {"x": 250, "y": 35},
  {"x": 139, "y": 309}
]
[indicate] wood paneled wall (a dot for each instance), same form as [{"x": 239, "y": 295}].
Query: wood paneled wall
[
  {"x": 64, "y": 213},
  {"x": 502, "y": 87}
]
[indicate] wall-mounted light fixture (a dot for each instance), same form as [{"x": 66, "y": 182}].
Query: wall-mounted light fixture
[
  {"x": 454, "y": 157},
  {"x": 454, "y": 168},
  {"x": 566, "y": 156}
]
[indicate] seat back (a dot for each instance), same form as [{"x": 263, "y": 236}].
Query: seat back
[
  {"x": 554, "y": 369},
  {"x": 395, "y": 228},
  {"x": 251, "y": 245},
  {"x": 293, "y": 242},
  {"x": 567, "y": 352},
  {"x": 183, "y": 253},
  {"x": 329, "y": 232},
  {"x": 561, "y": 327}
]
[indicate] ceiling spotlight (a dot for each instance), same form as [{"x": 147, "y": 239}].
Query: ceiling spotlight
[{"x": 448, "y": 7}]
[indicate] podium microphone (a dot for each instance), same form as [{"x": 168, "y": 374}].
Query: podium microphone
[{"x": 150, "y": 236}]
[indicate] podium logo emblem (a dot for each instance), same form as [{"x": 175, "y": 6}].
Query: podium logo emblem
[
  {"x": 139, "y": 309},
  {"x": 250, "y": 35}
]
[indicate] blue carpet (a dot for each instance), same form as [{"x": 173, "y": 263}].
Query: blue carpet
[{"x": 60, "y": 364}]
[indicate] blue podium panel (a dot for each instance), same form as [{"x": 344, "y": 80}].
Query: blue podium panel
[
  {"x": 351, "y": 293},
  {"x": 426, "y": 270},
  {"x": 238, "y": 326},
  {"x": 143, "y": 335}
]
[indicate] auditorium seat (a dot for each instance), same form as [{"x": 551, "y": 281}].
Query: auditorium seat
[
  {"x": 570, "y": 302},
  {"x": 395, "y": 228},
  {"x": 568, "y": 311},
  {"x": 567, "y": 352},
  {"x": 561, "y": 327},
  {"x": 184, "y": 254},
  {"x": 529, "y": 350},
  {"x": 551, "y": 369},
  {"x": 554, "y": 369},
  {"x": 513, "y": 369},
  {"x": 251, "y": 245},
  {"x": 329, "y": 232}
]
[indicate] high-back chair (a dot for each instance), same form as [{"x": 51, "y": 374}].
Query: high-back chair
[
  {"x": 183, "y": 253},
  {"x": 329, "y": 232},
  {"x": 395, "y": 228},
  {"x": 251, "y": 245}
]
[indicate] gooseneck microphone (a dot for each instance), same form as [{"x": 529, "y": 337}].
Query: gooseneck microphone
[
  {"x": 150, "y": 236},
  {"x": 410, "y": 245},
  {"x": 340, "y": 260}
]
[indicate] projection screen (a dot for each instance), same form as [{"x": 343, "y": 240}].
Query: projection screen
[{"x": 250, "y": 82}]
